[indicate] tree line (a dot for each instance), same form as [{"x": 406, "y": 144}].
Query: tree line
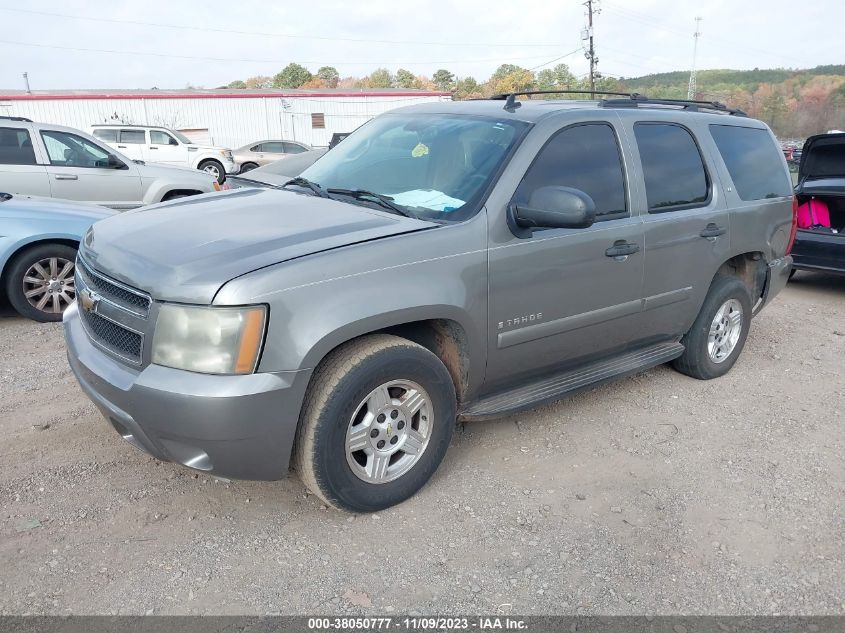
[{"x": 795, "y": 103}]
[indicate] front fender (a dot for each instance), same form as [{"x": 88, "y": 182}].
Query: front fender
[{"x": 355, "y": 290}]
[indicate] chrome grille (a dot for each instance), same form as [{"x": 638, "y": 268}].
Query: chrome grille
[
  {"x": 119, "y": 294},
  {"x": 114, "y": 337},
  {"x": 114, "y": 316}
]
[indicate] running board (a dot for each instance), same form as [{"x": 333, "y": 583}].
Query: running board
[{"x": 563, "y": 384}]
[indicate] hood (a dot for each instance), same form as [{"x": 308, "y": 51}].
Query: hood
[
  {"x": 160, "y": 170},
  {"x": 187, "y": 249},
  {"x": 46, "y": 208},
  {"x": 823, "y": 156}
]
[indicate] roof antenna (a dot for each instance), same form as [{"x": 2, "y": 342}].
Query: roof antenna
[{"x": 511, "y": 104}]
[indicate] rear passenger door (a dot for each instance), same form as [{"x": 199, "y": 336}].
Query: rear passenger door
[
  {"x": 686, "y": 224},
  {"x": 19, "y": 169},
  {"x": 560, "y": 297},
  {"x": 131, "y": 144}
]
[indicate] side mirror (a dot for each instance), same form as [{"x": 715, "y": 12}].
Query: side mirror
[
  {"x": 554, "y": 208},
  {"x": 115, "y": 163}
]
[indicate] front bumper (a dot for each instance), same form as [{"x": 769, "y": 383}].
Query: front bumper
[{"x": 241, "y": 427}]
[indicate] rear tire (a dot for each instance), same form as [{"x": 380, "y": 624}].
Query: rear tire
[
  {"x": 45, "y": 273},
  {"x": 376, "y": 423},
  {"x": 215, "y": 168},
  {"x": 715, "y": 340},
  {"x": 248, "y": 167}
]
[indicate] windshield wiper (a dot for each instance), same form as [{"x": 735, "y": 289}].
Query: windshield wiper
[
  {"x": 304, "y": 182},
  {"x": 363, "y": 194}
]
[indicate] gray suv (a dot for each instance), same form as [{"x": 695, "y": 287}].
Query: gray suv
[{"x": 449, "y": 260}]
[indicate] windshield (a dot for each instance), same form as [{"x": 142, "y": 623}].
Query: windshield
[
  {"x": 436, "y": 166},
  {"x": 182, "y": 138}
]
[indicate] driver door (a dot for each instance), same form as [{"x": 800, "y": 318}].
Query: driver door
[
  {"x": 78, "y": 170},
  {"x": 163, "y": 148}
]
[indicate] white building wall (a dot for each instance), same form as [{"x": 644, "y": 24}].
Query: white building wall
[{"x": 232, "y": 122}]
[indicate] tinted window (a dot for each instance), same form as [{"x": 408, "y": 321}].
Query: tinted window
[
  {"x": 134, "y": 137},
  {"x": 293, "y": 148},
  {"x": 585, "y": 157},
  {"x": 753, "y": 161},
  {"x": 672, "y": 167},
  {"x": 109, "y": 136},
  {"x": 70, "y": 150},
  {"x": 157, "y": 137},
  {"x": 272, "y": 147},
  {"x": 15, "y": 147}
]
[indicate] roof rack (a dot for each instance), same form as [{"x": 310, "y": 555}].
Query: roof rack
[
  {"x": 632, "y": 100},
  {"x": 16, "y": 118},
  {"x": 636, "y": 100},
  {"x": 512, "y": 104}
]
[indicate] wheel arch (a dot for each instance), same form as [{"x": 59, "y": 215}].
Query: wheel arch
[
  {"x": 22, "y": 247},
  {"x": 750, "y": 268},
  {"x": 440, "y": 331}
]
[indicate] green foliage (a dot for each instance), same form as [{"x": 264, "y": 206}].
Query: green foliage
[
  {"x": 329, "y": 76},
  {"x": 557, "y": 78},
  {"x": 292, "y": 76},
  {"x": 443, "y": 79},
  {"x": 237, "y": 84},
  {"x": 467, "y": 88},
  {"x": 380, "y": 78},
  {"x": 404, "y": 79}
]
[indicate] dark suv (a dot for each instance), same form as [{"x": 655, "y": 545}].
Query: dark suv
[{"x": 446, "y": 260}]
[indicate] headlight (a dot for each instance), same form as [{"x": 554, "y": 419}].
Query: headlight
[{"x": 209, "y": 340}]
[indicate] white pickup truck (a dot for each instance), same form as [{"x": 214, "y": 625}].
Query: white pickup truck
[{"x": 153, "y": 144}]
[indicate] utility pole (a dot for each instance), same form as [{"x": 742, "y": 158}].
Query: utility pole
[
  {"x": 26, "y": 81},
  {"x": 691, "y": 90},
  {"x": 590, "y": 53}
]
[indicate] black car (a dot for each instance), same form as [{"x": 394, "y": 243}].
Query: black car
[{"x": 821, "y": 176}]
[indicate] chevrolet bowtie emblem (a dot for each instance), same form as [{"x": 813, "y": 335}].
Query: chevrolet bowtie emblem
[{"x": 88, "y": 300}]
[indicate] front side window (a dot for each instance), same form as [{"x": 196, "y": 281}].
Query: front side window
[
  {"x": 133, "y": 137},
  {"x": 674, "y": 172},
  {"x": 16, "y": 147},
  {"x": 436, "y": 166},
  {"x": 157, "y": 137},
  {"x": 69, "y": 150},
  {"x": 106, "y": 135},
  {"x": 753, "y": 161},
  {"x": 584, "y": 157}
]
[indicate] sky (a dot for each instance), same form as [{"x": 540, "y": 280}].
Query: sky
[{"x": 210, "y": 43}]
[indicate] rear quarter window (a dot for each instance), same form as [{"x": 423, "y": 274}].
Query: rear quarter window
[{"x": 753, "y": 161}]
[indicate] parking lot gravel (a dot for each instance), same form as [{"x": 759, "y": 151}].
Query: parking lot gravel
[{"x": 656, "y": 494}]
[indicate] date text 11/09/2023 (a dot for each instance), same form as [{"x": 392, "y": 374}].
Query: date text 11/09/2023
[{"x": 482, "y": 623}]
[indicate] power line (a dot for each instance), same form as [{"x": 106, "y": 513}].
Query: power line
[
  {"x": 187, "y": 27},
  {"x": 260, "y": 61},
  {"x": 552, "y": 61}
]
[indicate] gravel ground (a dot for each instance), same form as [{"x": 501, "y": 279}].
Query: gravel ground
[{"x": 656, "y": 494}]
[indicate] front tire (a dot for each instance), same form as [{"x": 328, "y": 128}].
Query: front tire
[
  {"x": 715, "y": 340},
  {"x": 215, "y": 168},
  {"x": 40, "y": 281},
  {"x": 376, "y": 423}
]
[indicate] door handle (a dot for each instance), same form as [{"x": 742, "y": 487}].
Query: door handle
[
  {"x": 122, "y": 146},
  {"x": 622, "y": 249},
  {"x": 713, "y": 230},
  {"x": 67, "y": 177},
  {"x": 153, "y": 147}
]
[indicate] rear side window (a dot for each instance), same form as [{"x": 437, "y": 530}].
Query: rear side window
[
  {"x": 272, "y": 147},
  {"x": 133, "y": 137},
  {"x": 753, "y": 161},
  {"x": 674, "y": 173},
  {"x": 109, "y": 136},
  {"x": 584, "y": 157},
  {"x": 293, "y": 148},
  {"x": 16, "y": 147}
]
